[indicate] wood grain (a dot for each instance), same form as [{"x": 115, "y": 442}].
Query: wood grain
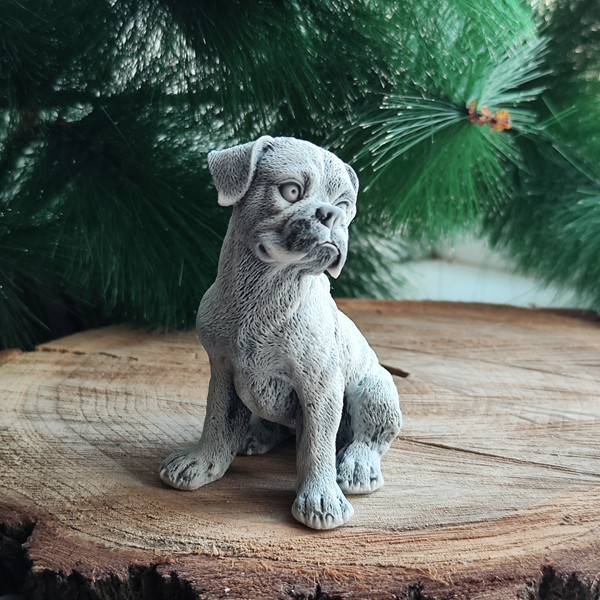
[{"x": 495, "y": 475}]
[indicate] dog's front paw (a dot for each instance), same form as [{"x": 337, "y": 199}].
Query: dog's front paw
[
  {"x": 188, "y": 469},
  {"x": 359, "y": 469},
  {"x": 322, "y": 508}
]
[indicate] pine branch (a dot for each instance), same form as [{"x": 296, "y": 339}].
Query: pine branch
[{"x": 426, "y": 163}]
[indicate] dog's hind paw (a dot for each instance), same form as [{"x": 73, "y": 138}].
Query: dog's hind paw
[
  {"x": 325, "y": 509},
  {"x": 359, "y": 469},
  {"x": 188, "y": 469}
]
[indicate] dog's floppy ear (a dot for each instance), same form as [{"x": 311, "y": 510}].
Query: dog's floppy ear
[{"x": 233, "y": 169}]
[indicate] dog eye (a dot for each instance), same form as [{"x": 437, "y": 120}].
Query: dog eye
[{"x": 291, "y": 191}]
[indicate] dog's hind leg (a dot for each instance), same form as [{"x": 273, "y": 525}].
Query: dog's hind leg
[
  {"x": 372, "y": 419},
  {"x": 225, "y": 426},
  {"x": 263, "y": 435}
]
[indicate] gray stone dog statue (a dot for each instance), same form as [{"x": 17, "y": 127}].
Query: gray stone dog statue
[{"x": 283, "y": 358}]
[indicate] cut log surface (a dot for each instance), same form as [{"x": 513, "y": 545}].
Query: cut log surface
[{"x": 495, "y": 475}]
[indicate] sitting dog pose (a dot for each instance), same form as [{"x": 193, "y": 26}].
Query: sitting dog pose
[{"x": 283, "y": 358}]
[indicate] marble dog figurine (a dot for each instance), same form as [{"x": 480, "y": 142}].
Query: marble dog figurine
[{"x": 283, "y": 358}]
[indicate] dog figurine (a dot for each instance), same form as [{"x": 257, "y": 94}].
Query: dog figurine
[{"x": 283, "y": 358}]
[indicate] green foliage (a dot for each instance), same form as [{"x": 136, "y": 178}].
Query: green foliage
[
  {"x": 552, "y": 229},
  {"x": 437, "y": 170},
  {"x": 551, "y": 222},
  {"x": 107, "y": 111},
  {"x": 107, "y": 191}
]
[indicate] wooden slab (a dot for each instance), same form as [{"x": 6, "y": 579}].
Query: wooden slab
[{"x": 492, "y": 488}]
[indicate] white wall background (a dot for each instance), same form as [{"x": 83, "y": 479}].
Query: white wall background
[{"x": 472, "y": 272}]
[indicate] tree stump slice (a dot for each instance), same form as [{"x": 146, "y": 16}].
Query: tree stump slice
[{"x": 492, "y": 488}]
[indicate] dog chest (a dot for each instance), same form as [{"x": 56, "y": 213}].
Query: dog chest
[{"x": 268, "y": 394}]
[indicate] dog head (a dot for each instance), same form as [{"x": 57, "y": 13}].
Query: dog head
[{"x": 293, "y": 201}]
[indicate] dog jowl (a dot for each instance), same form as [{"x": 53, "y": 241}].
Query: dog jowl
[{"x": 284, "y": 360}]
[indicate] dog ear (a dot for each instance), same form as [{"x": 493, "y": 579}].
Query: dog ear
[
  {"x": 233, "y": 169},
  {"x": 353, "y": 177}
]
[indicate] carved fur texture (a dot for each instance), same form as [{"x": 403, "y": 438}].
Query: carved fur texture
[{"x": 284, "y": 360}]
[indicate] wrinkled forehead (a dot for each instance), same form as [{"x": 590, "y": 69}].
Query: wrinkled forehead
[{"x": 298, "y": 159}]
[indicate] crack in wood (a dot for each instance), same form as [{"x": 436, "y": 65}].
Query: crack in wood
[
  {"x": 82, "y": 353},
  {"x": 508, "y": 459},
  {"x": 395, "y": 370},
  {"x": 496, "y": 363}
]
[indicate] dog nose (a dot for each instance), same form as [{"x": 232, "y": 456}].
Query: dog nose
[{"x": 329, "y": 215}]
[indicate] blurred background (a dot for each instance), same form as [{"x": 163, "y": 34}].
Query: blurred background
[
  {"x": 470, "y": 271},
  {"x": 474, "y": 127}
]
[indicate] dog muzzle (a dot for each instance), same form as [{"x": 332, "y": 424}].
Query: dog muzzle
[{"x": 317, "y": 241}]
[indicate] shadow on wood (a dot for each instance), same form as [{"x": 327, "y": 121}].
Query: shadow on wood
[{"x": 494, "y": 478}]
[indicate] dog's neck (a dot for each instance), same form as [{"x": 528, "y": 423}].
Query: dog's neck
[{"x": 249, "y": 282}]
